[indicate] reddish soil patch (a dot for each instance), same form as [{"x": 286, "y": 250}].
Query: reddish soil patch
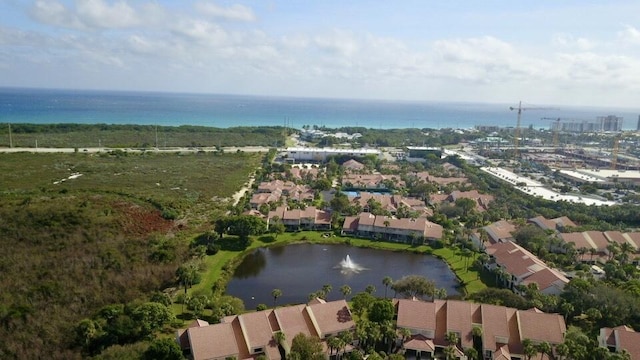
[{"x": 138, "y": 220}]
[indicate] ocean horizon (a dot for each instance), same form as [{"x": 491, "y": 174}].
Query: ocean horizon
[{"x": 48, "y": 106}]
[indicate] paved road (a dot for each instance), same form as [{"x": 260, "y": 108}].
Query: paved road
[{"x": 162, "y": 150}]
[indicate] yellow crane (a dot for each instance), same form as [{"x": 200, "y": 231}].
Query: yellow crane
[
  {"x": 556, "y": 129},
  {"x": 517, "y": 132}
]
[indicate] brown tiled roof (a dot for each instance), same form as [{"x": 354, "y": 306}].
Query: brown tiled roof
[
  {"x": 500, "y": 230},
  {"x": 564, "y": 221},
  {"x": 543, "y": 222},
  {"x": 420, "y": 343},
  {"x": 294, "y": 320},
  {"x": 623, "y": 337},
  {"x": 541, "y": 327},
  {"x": 331, "y": 317},
  {"x": 577, "y": 238},
  {"x": 414, "y": 314},
  {"x": 352, "y": 165},
  {"x": 256, "y": 328},
  {"x": 495, "y": 324},
  {"x": 547, "y": 278},
  {"x": 459, "y": 315},
  {"x": 213, "y": 341},
  {"x": 615, "y": 236}
]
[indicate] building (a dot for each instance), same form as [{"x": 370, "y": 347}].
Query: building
[
  {"x": 308, "y": 218},
  {"x": 521, "y": 267},
  {"x": 619, "y": 339},
  {"x": 501, "y": 329},
  {"x": 298, "y": 154},
  {"x": 402, "y": 230},
  {"x": 556, "y": 224},
  {"x": 610, "y": 123},
  {"x": 421, "y": 153},
  {"x": 252, "y": 334}
]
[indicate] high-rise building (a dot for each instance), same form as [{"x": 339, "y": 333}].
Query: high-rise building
[
  {"x": 638, "y": 126},
  {"x": 610, "y": 123}
]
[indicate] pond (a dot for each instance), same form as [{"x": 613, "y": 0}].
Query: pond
[{"x": 301, "y": 269}]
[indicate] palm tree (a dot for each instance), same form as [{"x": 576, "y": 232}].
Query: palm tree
[
  {"x": 528, "y": 348},
  {"x": 370, "y": 289},
  {"x": 544, "y": 348},
  {"x": 625, "y": 250},
  {"x": 386, "y": 281},
  {"x": 345, "y": 290},
  {"x": 333, "y": 343},
  {"x": 326, "y": 289},
  {"x": 280, "y": 340},
  {"x": 276, "y": 293}
]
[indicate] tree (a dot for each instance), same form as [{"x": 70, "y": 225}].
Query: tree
[
  {"x": 164, "y": 349},
  {"x": 381, "y": 310},
  {"x": 151, "y": 316},
  {"x": 414, "y": 286},
  {"x": 326, "y": 289},
  {"x": 334, "y": 342},
  {"x": 345, "y": 290},
  {"x": 466, "y": 205},
  {"x": 306, "y": 348},
  {"x": 276, "y": 293},
  {"x": 544, "y": 348},
  {"x": 370, "y": 289},
  {"x": 188, "y": 274},
  {"x": 528, "y": 348},
  {"x": 386, "y": 281}
]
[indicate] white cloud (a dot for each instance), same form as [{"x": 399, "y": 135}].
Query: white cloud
[
  {"x": 568, "y": 41},
  {"x": 56, "y": 14},
  {"x": 100, "y": 14},
  {"x": 338, "y": 42},
  {"x": 234, "y": 12},
  {"x": 630, "y": 35}
]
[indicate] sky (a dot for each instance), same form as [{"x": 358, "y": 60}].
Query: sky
[{"x": 571, "y": 52}]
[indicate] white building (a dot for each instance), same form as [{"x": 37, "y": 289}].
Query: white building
[{"x": 298, "y": 154}]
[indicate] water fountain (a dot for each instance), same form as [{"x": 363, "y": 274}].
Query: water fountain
[{"x": 347, "y": 265}]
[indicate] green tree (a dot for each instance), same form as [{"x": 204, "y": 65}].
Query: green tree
[
  {"x": 151, "y": 316},
  {"x": 386, "y": 281},
  {"x": 306, "y": 348},
  {"x": 414, "y": 286},
  {"x": 163, "y": 349},
  {"x": 381, "y": 310},
  {"x": 345, "y": 290},
  {"x": 276, "y": 293}
]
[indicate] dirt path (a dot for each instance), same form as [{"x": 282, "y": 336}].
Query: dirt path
[{"x": 240, "y": 193}]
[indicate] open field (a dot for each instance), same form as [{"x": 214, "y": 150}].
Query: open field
[{"x": 113, "y": 232}]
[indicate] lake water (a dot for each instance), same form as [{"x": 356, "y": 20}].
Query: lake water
[{"x": 301, "y": 269}]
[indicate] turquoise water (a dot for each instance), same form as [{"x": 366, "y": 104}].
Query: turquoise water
[{"x": 108, "y": 107}]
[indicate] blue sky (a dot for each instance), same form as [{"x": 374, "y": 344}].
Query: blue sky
[{"x": 542, "y": 52}]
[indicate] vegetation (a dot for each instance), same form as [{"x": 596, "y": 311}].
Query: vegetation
[
  {"x": 139, "y": 136},
  {"x": 74, "y": 248}
]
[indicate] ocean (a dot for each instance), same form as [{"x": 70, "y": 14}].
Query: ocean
[{"x": 40, "y": 106}]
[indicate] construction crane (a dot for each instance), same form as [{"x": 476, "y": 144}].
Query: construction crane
[
  {"x": 517, "y": 132},
  {"x": 556, "y": 129},
  {"x": 614, "y": 152}
]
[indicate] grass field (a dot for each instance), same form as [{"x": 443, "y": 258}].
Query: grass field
[{"x": 186, "y": 184}]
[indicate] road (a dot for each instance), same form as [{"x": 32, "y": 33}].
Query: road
[{"x": 162, "y": 150}]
